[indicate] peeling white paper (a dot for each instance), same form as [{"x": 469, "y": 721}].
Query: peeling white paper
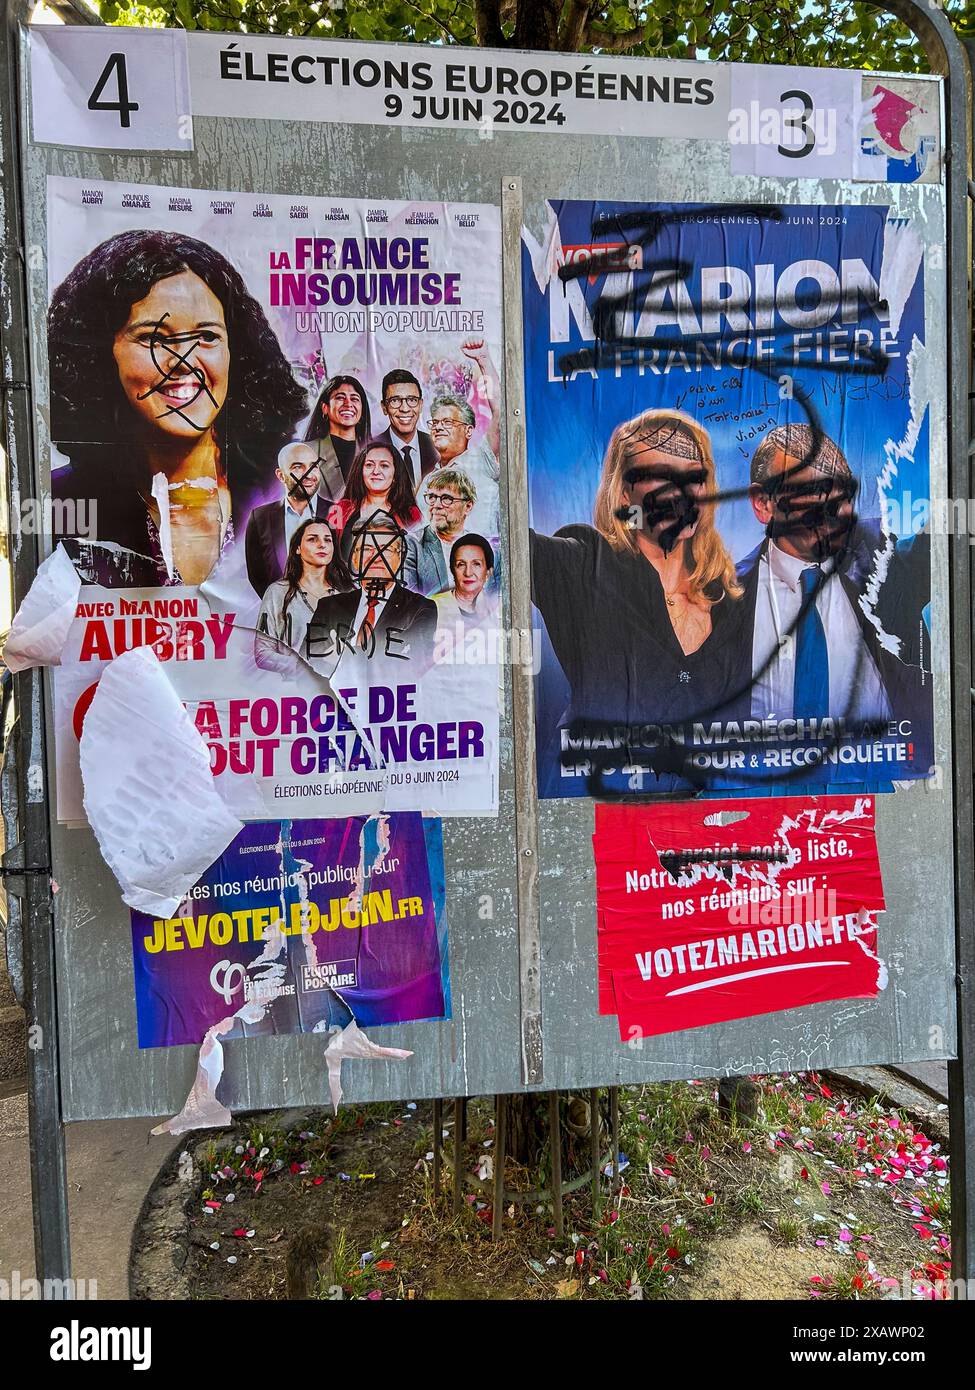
[
  {"x": 902, "y": 255},
  {"x": 160, "y": 493},
  {"x": 42, "y": 622},
  {"x": 202, "y": 1109},
  {"x": 350, "y": 1041},
  {"x": 148, "y": 790}
]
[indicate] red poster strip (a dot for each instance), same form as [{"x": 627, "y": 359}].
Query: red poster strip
[{"x": 700, "y": 922}]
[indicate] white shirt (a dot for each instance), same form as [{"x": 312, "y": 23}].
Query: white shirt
[
  {"x": 480, "y": 463},
  {"x": 413, "y": 444},
  {"x": 856, "y": 691},
  {"x": 293, "y": 518}
]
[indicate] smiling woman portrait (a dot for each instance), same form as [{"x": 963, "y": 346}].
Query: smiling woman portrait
[
  {"x": 170, "y": 397},
  {"x": 340, "y": 426}
]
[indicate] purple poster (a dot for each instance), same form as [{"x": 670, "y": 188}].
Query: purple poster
[{"x": 298, "y": 927}]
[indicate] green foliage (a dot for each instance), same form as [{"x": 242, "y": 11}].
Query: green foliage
[{"x": 822, "y": 33}]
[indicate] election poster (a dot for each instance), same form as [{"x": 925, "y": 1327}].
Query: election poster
[
  {"x": 275, "y": 461},
  {"x": 709, "y": 911},
  {"x": 728, "y": 459},
  {"x": 300, "y": 927}
]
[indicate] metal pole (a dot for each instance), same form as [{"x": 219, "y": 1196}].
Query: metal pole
[
  {"x": 500, "y": 1143},
  {"x": 555, "y": 1142},
  {"x": 458, "y": 1160},
  {"x": 947, "y": 57},
  {"x": 28, "y": 857},
  {"x": 522, "y": 678},
  {"x": 594, "y": 1148},
  {"x": 437, "y": 1141}
]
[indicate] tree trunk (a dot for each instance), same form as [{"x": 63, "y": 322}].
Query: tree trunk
[
  {"x": 527, "y": 1129},
  {"x": 527, "y": 1136},
  {"x": 537, "y": 25}
]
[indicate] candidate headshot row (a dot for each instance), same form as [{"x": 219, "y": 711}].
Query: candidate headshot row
[
  {"x": 378, "y": 479},
  {"x": 325, "y": 605},
  {"x": 172, "y": 401}
]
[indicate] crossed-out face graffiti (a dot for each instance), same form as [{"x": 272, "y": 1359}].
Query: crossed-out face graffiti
[
  {"x": 663, "y": 484},
  {"x": 377, "y": 553},
  {"x": 173, "y": 357},
  {"x": 807, "y": 509}
]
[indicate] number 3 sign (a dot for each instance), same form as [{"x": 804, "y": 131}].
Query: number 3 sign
[
  {"x": 110, "y": 89},
  {"x": 793, "y": 121}
]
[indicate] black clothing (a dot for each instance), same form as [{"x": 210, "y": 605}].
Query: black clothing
[
  {"x": 606, "y": 614},
  {"x": 422, "y": 445},
  {"x": 265, "y": 547},
  {"x": 345, "y": 452},
  {"x": 405, "y": 630}
]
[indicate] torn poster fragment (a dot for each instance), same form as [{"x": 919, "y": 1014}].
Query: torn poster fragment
[
  {"x": 42, "y": 622},
  {"x": 354, "y": 909},
  {"x": 202, "y": 1109},
  {"x": 149, "y": 792},
  {"x": 352, "y": 1042},
  {"x": 700, "y": 920}
]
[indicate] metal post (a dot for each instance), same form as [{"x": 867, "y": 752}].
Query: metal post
[
  {"x": 437, "y": 1142},
  {"x": 947, "y": 56},
  {"x": 614, "y": 1129},
  {"x": 519, "y": 608},
  {"x": 555, "y": 1143},
  {"x": 458, "y": 1160},
  {"x": 500, "y": 1142},
  {"x": 28, "y": 856},
  {"x": 594, "y": 1148}
]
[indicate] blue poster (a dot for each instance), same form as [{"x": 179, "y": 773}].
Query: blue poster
[{"x": 728, "y": 458}]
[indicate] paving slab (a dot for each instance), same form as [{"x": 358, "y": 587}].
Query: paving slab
[{"x": 111, "y": 1165}]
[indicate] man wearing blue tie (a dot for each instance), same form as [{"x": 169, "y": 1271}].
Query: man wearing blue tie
[{"x": 816, "y": 652}]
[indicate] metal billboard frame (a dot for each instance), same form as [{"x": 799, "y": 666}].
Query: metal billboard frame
[{"x": 27, "y": 806}]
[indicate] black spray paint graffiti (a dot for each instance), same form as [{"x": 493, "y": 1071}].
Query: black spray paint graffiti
[
  {"x": 824, "y": 507},
  {"x": 675, "y": 861},
  {"x": 177, "y": 369}
]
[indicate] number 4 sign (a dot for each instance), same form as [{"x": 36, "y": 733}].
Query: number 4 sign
[
  {"x": 793, "y": 122},
  {"x": 110, "y": 89}
]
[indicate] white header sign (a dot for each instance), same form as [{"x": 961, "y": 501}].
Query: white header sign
[
  {"x": 122, "y": 88},
  {"x": 480, "y": 89},
  {"x": 110, "y": 89}
]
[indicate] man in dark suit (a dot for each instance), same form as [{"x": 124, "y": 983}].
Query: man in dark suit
[
  {"x": 402, "y": 402},
  {"x": 379, "y": 620},
  {"x": 270, "y": 527},
  {"x": 825, "y": 641}
]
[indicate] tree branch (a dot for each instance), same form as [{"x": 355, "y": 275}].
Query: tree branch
[
  {"x": 439, "y": 22},
  {"x": 573, "y": 27},
  {"x": 487, "y": 24},
  {"x": 615, "y": 43}
]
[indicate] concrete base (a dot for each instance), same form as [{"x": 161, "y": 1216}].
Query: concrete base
[{"x": 111, "y": 1165}]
